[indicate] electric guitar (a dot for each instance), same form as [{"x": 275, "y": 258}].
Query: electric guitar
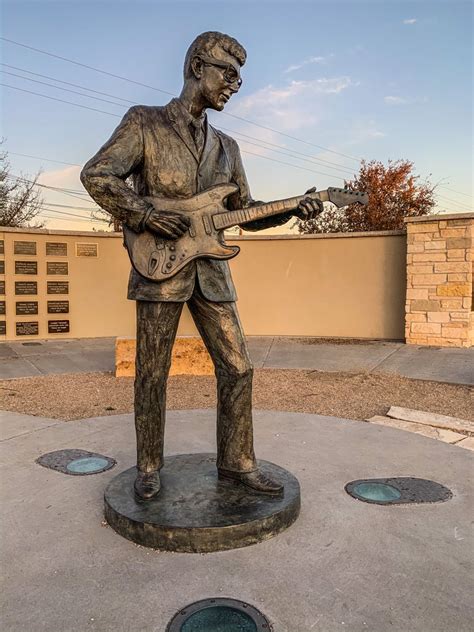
[{"x": 158, "y": 258}]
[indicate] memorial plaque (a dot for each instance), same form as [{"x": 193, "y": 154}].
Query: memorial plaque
[
  {"x": 2, "y": 287},
  {"x": 3, "y": 327},
  {"x": 24, "y": 247},
  {"x": 26, "y": 287},
  {"x": 56, "y": 267},
  {"x": 87, "y": 250},
  {"x": 2, "y": 267},
  {"x": 58, "y": 287},
  {"x": 2, "y": 308},
  {"x": 24, "y": 308},
  {"x": 27, "y": 328},
  {"x": 56, "y": 249},
  {"x": 58, "y": 307},
  {"x": 58, "y": 326},
  {"x": 2, "y": 247},
  {"x": 26, "y": 267}
]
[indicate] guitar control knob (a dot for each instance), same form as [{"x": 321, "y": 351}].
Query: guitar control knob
[
  {"x": 172, "y": 248},
  {"x": 169, "y": 265},
  {"x": 172, "y": 257}
]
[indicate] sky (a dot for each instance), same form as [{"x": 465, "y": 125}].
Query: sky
[{"x": 325, "y": 85}]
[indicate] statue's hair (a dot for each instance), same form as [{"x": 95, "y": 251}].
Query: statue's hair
[{"x": 207, "y": 42}]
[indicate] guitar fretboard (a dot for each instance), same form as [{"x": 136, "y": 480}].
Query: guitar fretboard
[{"x": 245, "y": 215}]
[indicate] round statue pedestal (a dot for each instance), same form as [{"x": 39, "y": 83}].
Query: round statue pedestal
[{"x": 195, "y": 512}]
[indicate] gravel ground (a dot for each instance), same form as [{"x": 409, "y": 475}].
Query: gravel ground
[{"x": 347, "y": 395}]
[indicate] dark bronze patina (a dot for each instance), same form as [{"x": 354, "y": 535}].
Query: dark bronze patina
[
  {"x": 198, "y": 513},
  {"x": 173, "y": 152}
]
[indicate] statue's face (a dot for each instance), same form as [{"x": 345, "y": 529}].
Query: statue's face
[{"x": 219, "y": 82}]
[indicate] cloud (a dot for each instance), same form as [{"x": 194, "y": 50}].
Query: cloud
[
  {"x": 291, "y": 106},
  {"x": 310, "y": 60},
  {"x": 390, "y": 100},
  {"x": 410, "y": 21}
]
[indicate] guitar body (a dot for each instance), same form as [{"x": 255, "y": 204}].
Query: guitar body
[{"x": 158, "y": 258}]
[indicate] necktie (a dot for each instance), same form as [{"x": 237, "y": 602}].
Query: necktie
[{"x": 198, "y": 134}]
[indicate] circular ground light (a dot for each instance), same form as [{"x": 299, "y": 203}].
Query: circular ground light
[
  {"x": 398, "y": 491},
  {"x": 88, "y": 465},
  {"x": 379, "y": 492},
  {"x": 219, "y": 615}
]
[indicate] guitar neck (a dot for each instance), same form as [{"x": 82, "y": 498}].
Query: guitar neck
[{"x": 245, "y": 215}]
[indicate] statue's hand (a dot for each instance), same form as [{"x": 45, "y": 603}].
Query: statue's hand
[
  {"x": 309, "y": 208},
  {"x": 168, "y": 224}
]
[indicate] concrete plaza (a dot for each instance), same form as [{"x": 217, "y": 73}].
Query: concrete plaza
[{"x": 344, "y": 564}]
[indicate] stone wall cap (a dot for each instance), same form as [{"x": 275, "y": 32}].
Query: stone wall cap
[
  {"x": 229, "y": 236},
  {"x": 438, "y": 217},
  {"x": 52, "y": 231},
  {"x": 379, "y": 233}
]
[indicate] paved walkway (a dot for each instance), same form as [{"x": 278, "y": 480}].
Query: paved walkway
[{"x": 455, "y": 366}]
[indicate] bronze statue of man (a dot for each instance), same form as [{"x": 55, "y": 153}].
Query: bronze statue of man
[{"x": 173, "y": 152}]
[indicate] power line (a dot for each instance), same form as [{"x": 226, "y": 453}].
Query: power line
[
  {"x": 60, "y": 162},
  {"x": 330, "y": 175},
  {"x": 86, "y": 219},
  {"x": 68, "y": 83},
  {"x": 144, "y": 85},
  {"x": 45, "y": 186},
  {"x": 443, "y": 197},
  {"x": 307, "y": 157},
  {"x": 441, "y": 186},
  {"x": 116, "y": 115},
  {"x": 38, "y": 94},
  {"x": 50, "y": 85}
]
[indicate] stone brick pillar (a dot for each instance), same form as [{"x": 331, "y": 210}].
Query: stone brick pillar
[{"x": 439, "y": 306}]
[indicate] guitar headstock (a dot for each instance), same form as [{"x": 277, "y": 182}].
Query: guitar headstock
[{"x": 344, "y": 197}]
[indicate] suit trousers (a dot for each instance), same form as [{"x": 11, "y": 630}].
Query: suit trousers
[{"x": 221, "y": 331}]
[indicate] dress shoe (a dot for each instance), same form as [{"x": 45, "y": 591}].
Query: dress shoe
[
  {"x": 147, "y": 484},
  {"x": 256, "y": 480}
]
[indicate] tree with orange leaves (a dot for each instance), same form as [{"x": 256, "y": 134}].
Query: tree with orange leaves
[{"x": 394, "y": 193}]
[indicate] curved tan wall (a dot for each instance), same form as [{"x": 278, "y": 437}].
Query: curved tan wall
[{"x": 345, "y": 286}]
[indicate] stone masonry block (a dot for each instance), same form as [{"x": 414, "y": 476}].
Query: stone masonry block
[
  {"x": 453, "y": 232},
  {"x": 453, "y": 266},
  {"x": 426, "y": 328},
  {"x": 452, "y": 303},
  {"x": 422, "y": 227},
  {"x": 429, "y": 256},
  {"x": 425, "y": 306},
  {"x": 457, "y": 253},
  {"x": 451, "y": 332},
  {"x": 458, "y": 242},
  {"x": 421, "y": 237},
  {"x": 417, "y": 293},
  {"x": 454, "y": 289},
  {"x": 461, "y": 277},
  {"x": 438, "y": 244},
  {"x": 439, "y": 317},
  {"x": 430, "y": 279},
  {"x": 460, "y": 316},
  {"x": 415, "y": 318},
  {"x": 189, "y": 357},
  {"x": 418, "y": 248},
  {"x": 464, "y": 221},
  {"x": 419, "y": 269}
]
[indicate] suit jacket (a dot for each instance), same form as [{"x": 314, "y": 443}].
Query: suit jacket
[{"x": 153, "y": 147}]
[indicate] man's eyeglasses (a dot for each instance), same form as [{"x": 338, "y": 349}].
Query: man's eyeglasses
[{"x": 230, "y": 74}]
